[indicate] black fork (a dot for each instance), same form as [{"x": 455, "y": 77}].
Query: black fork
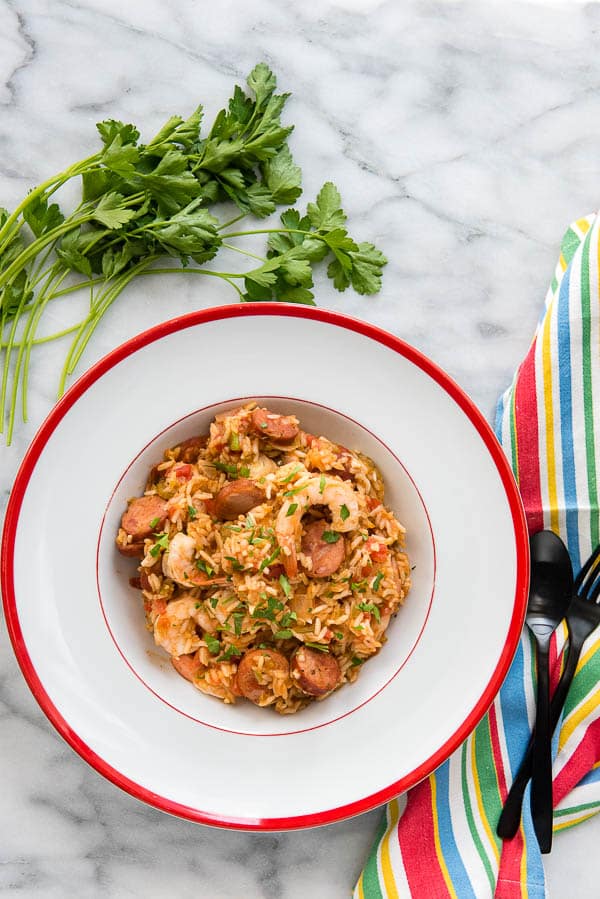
[{"x": 583, "y": 616}]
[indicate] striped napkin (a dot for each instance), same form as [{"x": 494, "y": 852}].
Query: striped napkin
[{"x": 439, "y": 840}]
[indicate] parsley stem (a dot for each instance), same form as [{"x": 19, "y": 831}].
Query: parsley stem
[
  {"x": 54, "y": 183},
  {"x": 48, "y": 339},
  {"x": 231, "y": 222},
  {"x": 7, "y": 357},
  {"x": 230, "y": 246},
  {"x": 273, "y": 231},
  {"x": 25, "y": 349},
  {"x": 56, "y": 280},
  {"x": 37, "y": 245},
  {"x": 89, "y": 324}
]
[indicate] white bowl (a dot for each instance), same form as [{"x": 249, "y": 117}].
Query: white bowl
[{"x": 77, "y": 627}]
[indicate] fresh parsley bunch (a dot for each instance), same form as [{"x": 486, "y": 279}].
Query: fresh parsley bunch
[{"x": 142, "y": 202}]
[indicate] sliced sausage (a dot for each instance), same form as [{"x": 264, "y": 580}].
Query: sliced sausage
[
  {"x": 190, "y": 449},
  {"x": 187, "y": 666},
  {"x": 131, "y": 550},
  {"x": 280, "y": 428},
  {"x": 326, "y": 557},
  {"x": 247, "y": 683},
  {"x": 274, "y": 572},
  {"x": 237, "y": 498},
  {"x": 141, "y": 512},
  {"x": 316, "y": 673}
]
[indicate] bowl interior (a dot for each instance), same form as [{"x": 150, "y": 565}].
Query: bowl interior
[{"x": 122, "y": 607}]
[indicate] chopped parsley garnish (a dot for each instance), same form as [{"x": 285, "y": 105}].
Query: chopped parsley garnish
[
  {"x": 233, "y": 527},
  {"x": 234, "y": 442},
  {"x": 154, "y": 522},
  {"x": 359, "y": 586},
  {"x": 197, "y": 605},
  {"x": 318, "y": 646},
  {"x": 238, "y": 618},
  {"x": 291, "y": 475},
  {"x": 369, "y": 607},
  {"x": 192, "y": 513},
  {"x": 266, "y": 562},
  {"x": 294, "y": 491},
  {"x": 283, "y": 635},
  {"x": 344, "y": 512},
  {"x": 228, "y": 469},
  {"x": 244, "y": 471},
  {"x": 263, "y": 596},
  {"x": 338, "y": 635},
  {"x": 291, "y": 510},
  {"x": 201, "y": 565},
  {"x": 237, "y": 566},
  {"x": 288, "y": 618},
  {"x": 214, "y": 601},
  {"x": 250, "y": 522},
  {"x": 214, "y": 647},
  {"x": 273, "y": 605},
  {"x": 330, "y": 536},
  {"x": 285, "y": 585},
  {"x": 162, "y": 542},
  {"x": 356, "y": 661},
  {"x": 229, "y": 653},
  {"x": 376, "y": 582},
  {"x": 322, "y": 483},
  {"x": 264, "y": 425}
]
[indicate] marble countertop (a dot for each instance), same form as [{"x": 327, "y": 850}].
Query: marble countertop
[{"x": 464, "y": 138}]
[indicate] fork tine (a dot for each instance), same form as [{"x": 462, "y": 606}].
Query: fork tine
[{"x": 589, "y": 564}]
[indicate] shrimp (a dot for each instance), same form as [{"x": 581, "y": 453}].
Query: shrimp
[
  {"x": 321, "y": 491},
  {"x": 178, "y": 564},
  {"x": 263, "y": 466},
  {"x": 175, "y": 628}
]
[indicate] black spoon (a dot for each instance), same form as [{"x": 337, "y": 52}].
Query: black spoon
[{"x": 550, "y": 592}]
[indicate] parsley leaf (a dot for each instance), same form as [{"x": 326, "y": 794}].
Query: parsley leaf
[
  {"x": 344, "y": 512},
  {"x": 371, "y": 608},
  {"x": 376, "y": 582},
  {"x": 330, "y": 536},
  {"x": 283, "y": 177},
  {"x": 318, "y": 646},
  {"x": 326, "y": 213},
  {"x": 214, "y": 646}
]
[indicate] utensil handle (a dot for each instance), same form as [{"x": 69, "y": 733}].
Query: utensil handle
[
  {"x": 510, "y": 817},
  {"x": 541, "y": 775}
]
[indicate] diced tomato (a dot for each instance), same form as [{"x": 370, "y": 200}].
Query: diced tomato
[
  {"x": 373, "y": 502},
  {"x": 309, "y": 438},
  {"x": 376, "y": 549},
  {"x": 209, "y": 507},
  {"x": 367, "y": 570},
  {"x": 183, "y": 472}
]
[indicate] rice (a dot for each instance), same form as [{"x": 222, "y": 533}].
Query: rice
[{"x": 270, "y": 539}]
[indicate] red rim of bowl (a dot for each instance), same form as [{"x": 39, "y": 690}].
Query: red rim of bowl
[{"x": 36, "y": 448}]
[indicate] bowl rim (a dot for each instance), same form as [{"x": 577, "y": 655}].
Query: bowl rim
[{"x": 94, "y": 373}]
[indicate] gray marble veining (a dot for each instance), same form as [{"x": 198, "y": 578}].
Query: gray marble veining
[{"x": 464, "y": 137}]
